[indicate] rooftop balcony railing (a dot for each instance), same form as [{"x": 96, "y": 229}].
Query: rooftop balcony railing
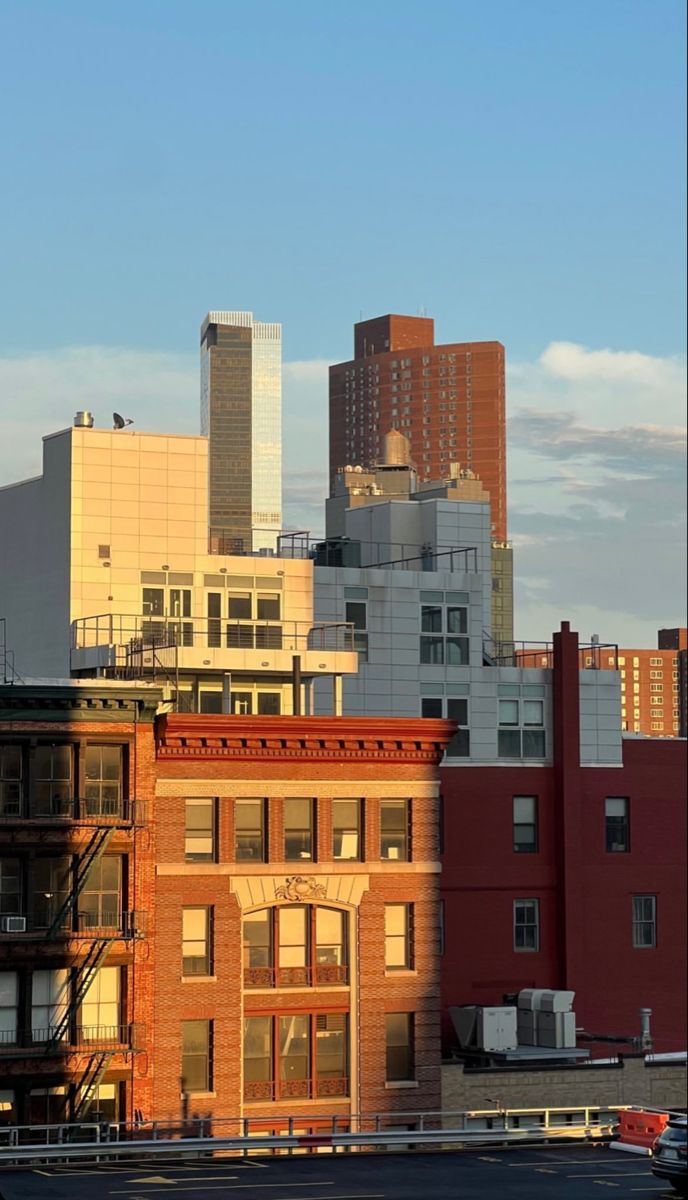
[
  {"x": 142, "y": 633},
  {"x": 592, "y": 656},
  {"x": 349, "y": 552}
]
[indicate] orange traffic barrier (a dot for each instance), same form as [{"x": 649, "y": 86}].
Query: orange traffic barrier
[{"x": 638, "y": 1128}]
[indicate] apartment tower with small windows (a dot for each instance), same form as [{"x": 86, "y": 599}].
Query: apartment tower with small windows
[
  {"x": 449, "y": 401},
  {"x": 241, "y": 415}
]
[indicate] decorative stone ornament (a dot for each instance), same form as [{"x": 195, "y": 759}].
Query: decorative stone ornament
[{"x": 301, "y": 887}]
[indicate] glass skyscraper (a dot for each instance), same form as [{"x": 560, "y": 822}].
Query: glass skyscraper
[{"x": 241, "y": 415}]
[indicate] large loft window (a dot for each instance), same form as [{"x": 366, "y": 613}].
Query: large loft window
[
  {"x": 100, "y": 898},
  {"x": 444, "y": 628},
  {"x": 52, "y": 780},
  {"x": 521, "y": 732},
  {"x": 299, "y": 945},
  {"x": 100, "y": 1007},
  {"x": 103, "y": 780},
  {"x": 296, "y": 1056}
]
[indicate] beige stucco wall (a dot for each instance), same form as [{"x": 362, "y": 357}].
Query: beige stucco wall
[{"x": 633, "y": 1083}]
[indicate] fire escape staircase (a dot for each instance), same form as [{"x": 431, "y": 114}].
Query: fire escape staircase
[
  {"x": 64, "y": 918},
  {"x": 90, "y": 1082}
]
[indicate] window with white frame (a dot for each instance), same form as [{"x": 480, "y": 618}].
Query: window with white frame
[
  {"x": 8, "y": 1007},
  {"x": 49, "y": 1002},
  {"x": 525, "y": 824}
]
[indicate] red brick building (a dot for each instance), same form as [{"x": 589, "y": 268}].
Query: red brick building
[
  {"x": 297, "y": 971},
  {"x": 76, "y": 901},
  {"x": 448, "y": 400},
  {"x": 570, "y": 876}
]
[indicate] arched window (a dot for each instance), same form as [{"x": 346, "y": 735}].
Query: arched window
[{"x": 295, "y": 945}]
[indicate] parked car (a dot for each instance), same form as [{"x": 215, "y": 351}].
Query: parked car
[{"x": 669, "y": 1158}]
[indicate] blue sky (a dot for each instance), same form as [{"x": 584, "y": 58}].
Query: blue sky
[{"x": 514, "y": 168}]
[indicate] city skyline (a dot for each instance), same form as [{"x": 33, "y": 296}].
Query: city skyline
[{"x": 544, "y": 209}]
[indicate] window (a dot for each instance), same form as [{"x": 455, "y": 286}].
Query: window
[
  {"x": 8, "y": 1007},
  {"x": 99, "y": 902},
  {"x": 101, "y": 1005},
  {"x": 346, "y": 830},
  {"x": 199, "y": 833},
  {"x": 196, "y": 941},
  {"x": 269, "y": 704},
  {"x": 103, "y": 780},
  {"x": 460, "y": 744},
  {"x": 521, "y": 732},
  {"x": 399, "y": 937},
  {"x": 299, "y": 840},
  {"x": 394, "y": 830},
  {"x": 526, "y": 925},
  {"x": 399, "y": 1047},
  {"x": 525, "y": 824},
  {"x": 431, "y": 706},
  {"x": 644, "y": 922},
  {"x": 10, "y": 781},
  {"x": 356, "y": 612},
  {"x": 49, "y": 1002},
  {"x": 10, "y": 887},
  {"x": 268, "y": 606},
  {"x": 310, "y": 1050},
  {"x": 444, "y": 628},
  {"x": 52, "y": 780},
  {"x": 196, "y": 1056},
  {"x": 258, "y": 1073},
  {"x": 617, "y": 832},
  {"x": 249, "y": 831},
  {"x": 51, "y": 880},
  {"x": 295, "y": 946}
]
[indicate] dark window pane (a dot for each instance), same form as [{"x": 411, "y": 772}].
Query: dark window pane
[
  {"x": 268, "y": 607},
  {"x": 249, "y": 841},
  {"x": 457, "y": 710},
  {"x": 269, "y": 704},
  {"x": 432, "y": 650},
  {"x": 357, "y": 614},
  {"x": 430, "y": 619},
  {"x": 239, "y": 606},
  {"x": 509, "y": 743},
  {"x": 457, "y": 651},
  {"x": 346, "y": 832},
  {"x": 533, "y": 743},
  {"x": 394, "y": 830},
  {"x": 431, "y": 706},
  {"x": 298, "y": 829},
  {"x": 457, "y": 620},
  {"x": 399, "y": 1046},
  {"x": 196, "y": 1050}
]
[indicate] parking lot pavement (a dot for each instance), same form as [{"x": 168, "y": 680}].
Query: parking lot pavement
[{"x": 551, "y": 1173}]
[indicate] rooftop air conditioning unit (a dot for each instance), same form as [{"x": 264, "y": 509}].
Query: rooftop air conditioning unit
[{"x": 12, "y": 924}]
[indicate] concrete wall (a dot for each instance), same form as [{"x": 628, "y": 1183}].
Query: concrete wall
[
  {"x": 631, "y": 1082},
  {"x": 34, "y": 564}
]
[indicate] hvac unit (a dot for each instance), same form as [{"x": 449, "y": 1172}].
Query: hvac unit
[
  {"x": 557, "y": 1002},
  {"x": 557, "y": 1030},
  {"x": 12, "y": 924},
  {"x": 497, "y": 1029},
  {"x": 527, "y": 1026}
]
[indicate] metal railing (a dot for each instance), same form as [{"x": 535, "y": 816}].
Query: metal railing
[
  {"x": 591, "y": 655},
  {"x": 257, "y": 1090},
  {"x": 89, "y": 810},
  {"x": 103, "y": 1141},
  {"x": 53, "y": 1040},
  {"x": 142, "y": 633},
  {"x": 320, "y": 975},
  {"x": 114, "y": 926}
]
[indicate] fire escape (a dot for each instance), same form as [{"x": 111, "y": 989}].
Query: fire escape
[{"x": 95, "y": 939}]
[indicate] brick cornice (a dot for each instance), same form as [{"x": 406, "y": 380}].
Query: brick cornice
[{"x": 200, "y": 736}]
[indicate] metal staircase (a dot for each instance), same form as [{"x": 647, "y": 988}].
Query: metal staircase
[
  {"x": 90, "y": 1082},
  {"x": 96, "y": 847},
  {"x": 82, "y": 978}
]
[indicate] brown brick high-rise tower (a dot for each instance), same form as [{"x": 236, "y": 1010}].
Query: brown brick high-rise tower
[{"x": 448, "y": 401}]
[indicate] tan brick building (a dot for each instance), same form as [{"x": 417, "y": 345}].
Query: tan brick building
[{"x": 297, "y": 917}]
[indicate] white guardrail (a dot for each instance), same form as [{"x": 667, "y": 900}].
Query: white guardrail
[{"x": 103, "y": 1149}]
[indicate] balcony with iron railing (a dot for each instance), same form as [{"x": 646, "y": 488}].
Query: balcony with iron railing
[
  {"x": 81, "y": 926},
  {"x": 319, "y": 975},
  {"x": 17, "y": 1043},
  {"x": 258, "y": 1090},
  {"x": 65, "y": 810},
  {"x": 136, "y": 645}
]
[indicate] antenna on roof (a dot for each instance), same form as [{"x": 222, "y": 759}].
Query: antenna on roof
[{"x": 119, "y": 422}]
